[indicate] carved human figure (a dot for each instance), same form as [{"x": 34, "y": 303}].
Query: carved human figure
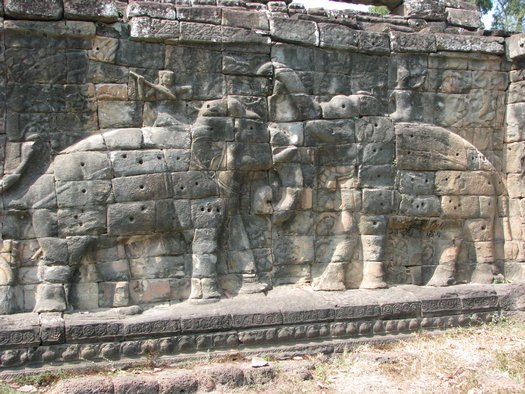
[{"x": 166, "y": 87}]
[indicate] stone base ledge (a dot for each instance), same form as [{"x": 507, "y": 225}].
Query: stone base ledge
[{"x": 287, "y": 319}]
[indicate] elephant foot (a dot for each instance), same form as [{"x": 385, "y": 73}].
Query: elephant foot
[
  {"x": 332, "y": 278},
  {"x": 373, "y": 276},
  {"x": 443, "y": 276},
  {"x": 251, "y": 285},
  {"x": 483, "y": 274},
  {"x": 204, "y": 289},
  {"x": 50, "y": 298}
]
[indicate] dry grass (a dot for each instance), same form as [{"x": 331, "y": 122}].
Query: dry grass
[{"x": 483, "y": 359}]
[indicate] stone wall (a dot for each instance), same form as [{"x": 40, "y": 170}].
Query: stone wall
[{"x": 158, "y": 151}]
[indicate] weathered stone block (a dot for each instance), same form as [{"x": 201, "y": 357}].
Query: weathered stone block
[
  {"x": 293, "y": 107},
  {"x": 376, "y": 175},
  {"x": 193, "y": 184},
  {"x": 248, "y": 130},
  {"x": 294, "y": 30},
  {"x": 177, "y": 159},
  {"x": 151, "y": 9},
  {"x": 338, "y": 36},
  {"x": 373, "y": 42},
  {"x": 464, "y": 43},
  {"x": 464, "y": 18},
  {"x": 245, "y": 64},
  {"x": 249, "y": 157},
  {"x": 140, "y": 188},
  {"x": 34, "y": 9},
  {"x": 200, "y": 32},
  {"x": 207, "y": 213},
  {"x": 463, "y": 183},
  {"x": 420, "y": 205},
  {"x": 127, "y": 163},
  {"x": 428, "y": 10},
  {"x": 329, "y": 132},
  {"x": 515, "y": 46},
  {"x": 248, "y": 20},
  {"x": 77, "y": 166},
  {"x": 213, "y": 129},
  {"x": 118, "y": 92},
  {"x": 377, "y": 201},
  {"x": 119, "y": 114},
  {"x": 80, "y": 194},
  {"x": 131, "y": 218},
  {"x": 144, "y": 28},
  {"x": 235, "y": 38},
  {"x": 293, "y": 250},
  {"x": 144, "y": 55},
  {"x": 412, "y": 42},
  {"x": 94, "y": 10},
  {"x": 104, "y": 49},
  {"x": 200, "y": 14}
]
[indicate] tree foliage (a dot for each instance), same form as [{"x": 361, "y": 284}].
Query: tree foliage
[
  {"x": 381, "y": 10},
  {"x": 484, "y": 5},
  {"x": 509, "y": 15}
]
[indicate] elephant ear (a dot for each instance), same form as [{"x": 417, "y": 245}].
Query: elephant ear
[{"x": 421, "y": 147}]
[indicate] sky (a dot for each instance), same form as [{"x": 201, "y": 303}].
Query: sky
[{"x": 487, "y": 19}]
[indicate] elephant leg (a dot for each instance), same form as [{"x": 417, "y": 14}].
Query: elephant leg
[
  {"x": 54, "y": 272},
  {"x": 373, "y": 239},
  {"x": 485, "y": 269},
  {"x": 55, "y": 269},
  {"x": 445, "y": 273},
  {"x": 482, "y": 234},
  {"x": 333, "y": 277},
  {"x": 204, "y": 261}
]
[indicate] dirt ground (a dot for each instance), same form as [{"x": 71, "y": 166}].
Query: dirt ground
[{"x": 474, "y": 360}]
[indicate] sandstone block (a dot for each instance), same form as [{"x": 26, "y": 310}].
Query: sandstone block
[
  {"x": 140, "y": 188},
  {"x": 144, "y": 28},
  {"x": 329, "y": 132},
  {"x": 247, "y": 130},
  {"x": 338, "y": 36},
  {"x": 123, "y": 139},
  {"x": 248, "y": 20},
  {"x": 78, "y": 166},
  {"x": 95, "y": 10},
  {"x": 377, "y": 201},
  {"x": 113, "y": 294},
  {"x": 193, "y": 184},
  {"x": 376, "y": 175},
  {"x": 516, "y": 46},
  {"x": 412, "y": 42},
  {"x": 202, "y": 13},
  {"x": 34, "y": 9},
  {"x": 80, "y": 194},
  {"x": 200, "y": 32},
  {"x": 207, "y": 213},
  {"x": 119, "y": 114},
  {"x": 373, "y": 42},
  {"x": 127, "y": 163},
  {"x": 104, "y": 49},
  {"x": 177, "y": 159},
  {"x": 294, "y": 30},
  {"x": 420, "y": 205},
  {"x": 283, "y": 134},
  {"x": 151, "y": 9},
  {"x": 415, "y": 182},
  {"x": 464, "y": 18},
  {"x": 131, "y": 218},
  {"x": 464, "y": 183},
  {"x": 514, "y": 120}
]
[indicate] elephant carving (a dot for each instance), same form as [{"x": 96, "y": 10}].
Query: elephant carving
[
  {"x": 374, "y": 175},
  {"x": 127, "y": 183}
]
